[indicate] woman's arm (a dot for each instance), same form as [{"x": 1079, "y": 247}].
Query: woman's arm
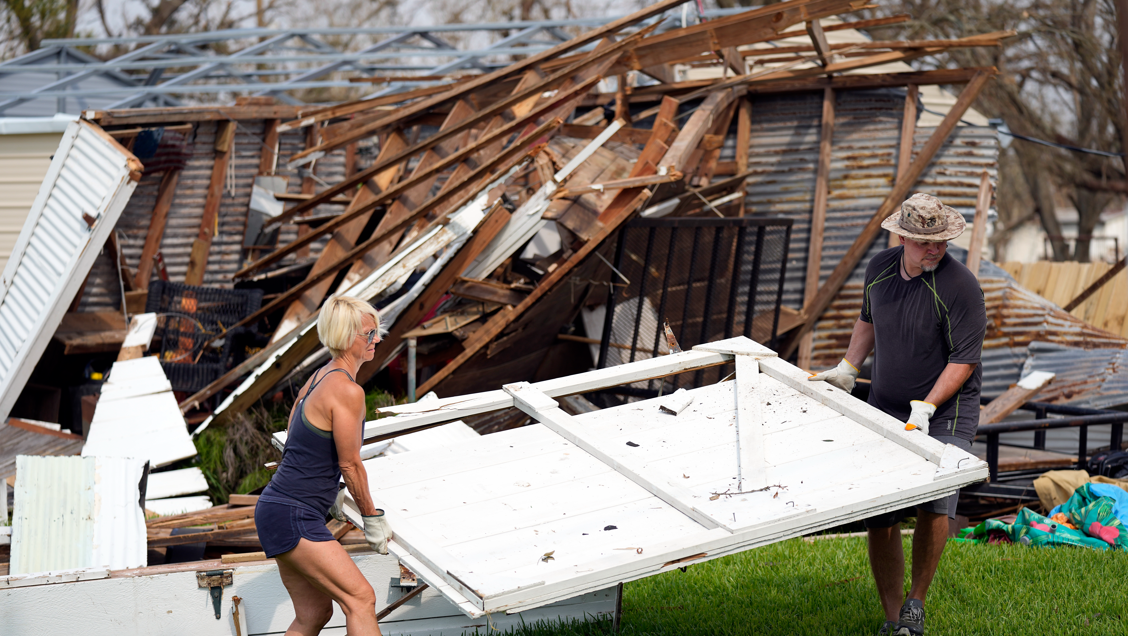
[{"x": 348, "y": 433}]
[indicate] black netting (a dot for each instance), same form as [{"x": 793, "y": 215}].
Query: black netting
[
  {"x": 187, "y": 318},
  {"x": 710, "y": 278}
]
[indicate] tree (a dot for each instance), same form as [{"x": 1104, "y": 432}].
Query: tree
[
  {"x": 29, "y": 22},
  {"x": 1059, "y": 80}
]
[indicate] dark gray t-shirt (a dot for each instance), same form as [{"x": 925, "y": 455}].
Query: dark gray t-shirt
[{"x": 921, "y": 325}]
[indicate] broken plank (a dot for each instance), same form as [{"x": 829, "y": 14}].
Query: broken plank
[
  {"x": 979, "y": 225},
  {"x": 818, "y": 219},
  {"x": 699, "y": 123},
  {"x": 198, "y": 261},
  {"x": 165, "y": 193},
  {"x": 1014, "y": 397},
  {"x": 487, "y": 292},
  {"x": 410, "y": 317},
  {"x": 908, "y": 130}
]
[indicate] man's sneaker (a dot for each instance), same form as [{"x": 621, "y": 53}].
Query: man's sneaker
[
  {"x": 911, "y": 622},
  {"x": 887, "y": 628}
]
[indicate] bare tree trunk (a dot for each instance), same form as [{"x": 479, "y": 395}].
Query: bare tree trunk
[{"x": 1038, "y": 180}]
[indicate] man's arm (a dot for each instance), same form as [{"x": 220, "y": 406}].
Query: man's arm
[
  {"x": 861, "y": 343},
  {"x": 951, "y": 379}
]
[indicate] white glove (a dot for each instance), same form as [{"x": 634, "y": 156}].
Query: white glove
[
  {"x": 842, "y": 376},
  {"x": 377, "y": 532},
  {"x": 918, "y": 419},
  {"x": 337, "y": 510}
]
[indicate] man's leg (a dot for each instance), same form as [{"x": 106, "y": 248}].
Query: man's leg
[
  {"x": 929, "y": 539},
  {"x": 887, "y": 561}
]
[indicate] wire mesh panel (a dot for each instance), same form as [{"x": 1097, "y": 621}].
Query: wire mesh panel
[
  {"x": 187, "y": 318},
  {"x": 709, "y": 278}
]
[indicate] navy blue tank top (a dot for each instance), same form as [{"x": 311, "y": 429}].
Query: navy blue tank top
[{"x": 309, "y": 472}]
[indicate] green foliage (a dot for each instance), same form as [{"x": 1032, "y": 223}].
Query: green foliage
[{"x": 825, "y": 587}]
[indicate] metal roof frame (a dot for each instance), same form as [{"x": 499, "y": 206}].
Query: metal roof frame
[{"x": 301, "y": 57}]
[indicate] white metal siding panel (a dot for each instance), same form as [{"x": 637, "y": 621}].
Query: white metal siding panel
[
  {"x": 89, "y": 174},
  {"x": 52, "y": 525},
  {"x": 77, "y": 512}
]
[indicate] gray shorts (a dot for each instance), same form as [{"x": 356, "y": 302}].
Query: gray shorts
[{"x": 943, "y": 505}]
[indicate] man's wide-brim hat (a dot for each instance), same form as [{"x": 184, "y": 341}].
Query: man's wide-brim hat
[{"x": 923, "y": 217}]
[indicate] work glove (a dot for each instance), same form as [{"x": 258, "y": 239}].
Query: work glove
[
  {"x": 377, "y": 532},
  {"x": 918, "y": 419},
  {"x": 842, "y": 376},
  {"x": 337, "y": 510}
]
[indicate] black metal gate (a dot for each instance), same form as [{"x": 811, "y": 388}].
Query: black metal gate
[{"x": 711, "y": 278}]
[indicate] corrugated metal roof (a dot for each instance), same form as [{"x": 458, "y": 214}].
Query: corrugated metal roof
[
  {"x": 783, "y": 152},
  {"x": 89, "y": 177},
  {"x": 1093, "y": 378},
  {"x": 103, "y": 291},
  {"x": 18, "y": 438},
  {"x": 77, "y": 512}
]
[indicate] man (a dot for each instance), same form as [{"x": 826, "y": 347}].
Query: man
[{"x": 924, "y": 318}]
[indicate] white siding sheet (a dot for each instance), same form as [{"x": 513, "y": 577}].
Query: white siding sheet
[
  {"x": 89, "y": 175},
  {"x": 77, "y": 512},
  {"x": 138, "y": 416}
]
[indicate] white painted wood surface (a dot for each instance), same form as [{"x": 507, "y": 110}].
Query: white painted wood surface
[
  {"x": 178, "y": 505},
  {"x": 138, "y": 416},
  {"x": 529, "y": 516},
  {"x": 173, "y": 483},
  {"x": 142, "y": 327},
  {"x": 159, "y": 601}
]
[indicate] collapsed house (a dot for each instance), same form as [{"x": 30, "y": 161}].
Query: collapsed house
[{"x": 520, "y": 225}]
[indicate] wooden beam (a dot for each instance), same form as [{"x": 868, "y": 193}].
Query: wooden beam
[
  {"x": 343, "y": 239},
  {"x": 165, "y": 116},
  {"x": 1097, "y": 284},
  {"x": 699, "y": 123},
  {"x": 268, "y": 159},
  {"x": 819, "y": 43},
  {"x": 318, "y": 115},
  {"x": 165, "y": 193},
  {"x": 743, "y": 134},
  {"x": 532, "y": 61},
  {"x": 900, "y": 189},
  {"x": 617, "y": 184},
  {"x": 510, "y": 158},
  {"x": 414, "y": 313},
  {"x": 309, "y": 187},
  {"x": 1014, "y": 397},
  {"x": 818, "y": 220},
  {"x": 611, "y": 217},
  {"x": 198, "y": 260},
  {"x": 979, "y": 225},
  {"x": 908, "y": 131},
  {"x": 711, "y": 146},
  {"x": 504, "y": 132}
]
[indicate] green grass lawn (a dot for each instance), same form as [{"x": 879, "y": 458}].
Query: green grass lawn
[{"x": 824, "y": 587}]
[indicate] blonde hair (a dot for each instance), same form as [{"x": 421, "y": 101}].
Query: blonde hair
[{"x": 341, "y": 319}]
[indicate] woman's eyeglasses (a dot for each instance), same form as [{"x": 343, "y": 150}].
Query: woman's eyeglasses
[{"x": 370, "y": 335}]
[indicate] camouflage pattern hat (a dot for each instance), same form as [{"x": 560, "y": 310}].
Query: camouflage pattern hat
[{"x": 923, "y": 217}]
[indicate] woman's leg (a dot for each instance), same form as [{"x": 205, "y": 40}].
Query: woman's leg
[
  {"x": 331, "y": 572},
  {"x": 312, "y": 608}
]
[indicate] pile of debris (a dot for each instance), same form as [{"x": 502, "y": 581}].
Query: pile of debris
[{"x": 638, "y": 174}]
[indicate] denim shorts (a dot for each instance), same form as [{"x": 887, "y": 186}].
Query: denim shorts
[
  {"x": 941, "y": 506},
  {"x": 281, "y": 522}
]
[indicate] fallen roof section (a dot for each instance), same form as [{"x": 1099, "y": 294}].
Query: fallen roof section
[
  {"x": 88, "y": 184},
  {"x": 580, "y": 503}
]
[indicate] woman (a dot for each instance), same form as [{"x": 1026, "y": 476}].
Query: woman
[{"x": 323, "y": 443}]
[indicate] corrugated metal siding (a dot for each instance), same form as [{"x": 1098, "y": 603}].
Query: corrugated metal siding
[
  {"x": 1090, "y": 378},
  {"x": 77, "y": 512},
  {"x": 53, "y": 518},
  {"x": 783, "y": 153},
  {"x": 90, "y": 176},
  {"x": 226, "y": 255}
]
